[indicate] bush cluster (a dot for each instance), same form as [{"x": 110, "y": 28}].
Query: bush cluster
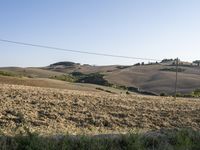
[{"x": 94, "y": 78}]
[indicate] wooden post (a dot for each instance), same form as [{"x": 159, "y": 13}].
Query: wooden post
[{"x": 175, "y": 92}]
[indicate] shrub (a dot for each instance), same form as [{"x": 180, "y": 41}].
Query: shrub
[
  {"x": 94, "y": 78},
  {"x": 163, "y": 94},
  {"x": 76, "y": 73},
  {"x": 137, "y": 64},
  {"x": 196, "y": 93},
  {"x": 179, "y": 95}
]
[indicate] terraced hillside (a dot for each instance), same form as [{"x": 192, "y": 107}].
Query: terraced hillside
[{"x": 52, "y": 111}]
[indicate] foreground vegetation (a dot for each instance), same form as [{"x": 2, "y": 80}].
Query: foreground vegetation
[{"x": 185, "y": 139}]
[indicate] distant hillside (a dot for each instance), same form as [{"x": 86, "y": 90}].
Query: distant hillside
[{"x": 153, "y": 77}]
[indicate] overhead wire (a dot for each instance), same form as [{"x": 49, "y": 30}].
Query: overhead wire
[{"x": 75, "y": 51}]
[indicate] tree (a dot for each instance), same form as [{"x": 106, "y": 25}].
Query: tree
[
  {"x": 197, "y": 62},
  {"x": 166, "y": 60},
  {"x": 137, "y": 64}
]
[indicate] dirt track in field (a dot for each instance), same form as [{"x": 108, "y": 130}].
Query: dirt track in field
[{"x": 52, "y": 111}]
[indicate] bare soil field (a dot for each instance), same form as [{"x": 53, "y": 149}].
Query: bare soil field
[{"x": 55, "y": 111}]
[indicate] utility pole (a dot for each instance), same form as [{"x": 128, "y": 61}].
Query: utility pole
[{"x": 175, "y": 92}]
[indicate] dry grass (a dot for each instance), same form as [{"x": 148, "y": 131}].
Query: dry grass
[{"x": 54, "y": 111}]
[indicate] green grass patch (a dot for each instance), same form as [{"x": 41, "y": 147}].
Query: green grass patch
[
  {"x": 64, "y": 77},
  {"x": 185, "y": 139},
  {"x": 4, "y": 73},
  {"x": 196, "y": 93}
]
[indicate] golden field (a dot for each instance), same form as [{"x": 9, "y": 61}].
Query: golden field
[{"x": 55, "y": 111}]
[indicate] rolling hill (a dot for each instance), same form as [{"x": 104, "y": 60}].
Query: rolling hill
[{"x": 156, "y": 78}]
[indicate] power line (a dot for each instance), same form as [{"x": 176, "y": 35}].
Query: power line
[{"x": 75, "y": 51}]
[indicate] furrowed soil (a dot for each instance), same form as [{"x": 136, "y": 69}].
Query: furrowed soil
[{"x": 57, "y": 111}]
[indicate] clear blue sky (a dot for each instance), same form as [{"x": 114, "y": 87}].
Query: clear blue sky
[{"x": 139, "y": 28}]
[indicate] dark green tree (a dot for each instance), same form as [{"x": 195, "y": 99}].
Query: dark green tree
[{"x": 197, "y": 62}]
